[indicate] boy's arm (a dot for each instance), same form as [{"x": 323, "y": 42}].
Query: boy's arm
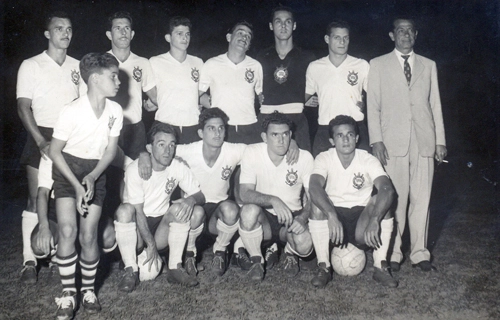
[
  {"x": 149, "y": 240},
  {"x": 44, "y": 240},
  {"x": 55, "y": 153}
]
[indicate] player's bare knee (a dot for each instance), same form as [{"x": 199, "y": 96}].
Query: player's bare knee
[
  {"x": 87, "y": 238},
  {"x": 67, "y": 232},
  {"x": 302, "y": 243},
  {"x": 229, "y": 212},
  {"x": 317, "y": 214},
  {"x": 249, "y": 216},
  {"x": 125, "y": 213}
]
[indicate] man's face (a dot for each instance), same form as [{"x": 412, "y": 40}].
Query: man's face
[
  {"x": 344, "y": 139},
  {"x": 338, "y": 41},
  {"x": 162, "y": 149},
  {"x": 213, "y": 133},
  {"x": 404, "y": 36},
  {"x": 179, "y": 38},
  {"x": 240, "y": 38},
  {"x": 282, "y": 25},
  {"x": 277, "y": 137},
  {"x": 121, "y": 33},
  {"x": 108, "y": 82},
  {"x": 59, "y": 33}
]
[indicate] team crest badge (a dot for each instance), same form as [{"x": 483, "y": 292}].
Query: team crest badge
[
  {"x": 352, "y": 78},
  {"x": 249, "y": 75},
  {"x": 111, "y": 121},
  {"x": 195, "y": 74},
  {"x": 75, "y": 77},
  {"x": 170, "y": 186},
  {"x": 226, "y": 173},
  {"x": 291, "y": 177},
  {"x": 281, "y": 74},
  {"x": 137, "y": 74},
  {"x": 358, "y": 181}
]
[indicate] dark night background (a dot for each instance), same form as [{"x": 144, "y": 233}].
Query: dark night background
[{"x": 461, "y": 36}]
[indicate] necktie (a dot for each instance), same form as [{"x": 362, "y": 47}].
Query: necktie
[{"x": 407, "y": 69}]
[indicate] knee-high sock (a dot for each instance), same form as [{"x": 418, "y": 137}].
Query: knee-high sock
[
  {"x": 126, "y": 237},
  {"x": 320, "y": 235},
  {"x": 252, "y": 241},
  {"x": 380, "y": 254},
  {"x": 193, "y": 235},
  {"x": 67, "y": 268},
  {"x": 29, "y": 222},
  {"x": 177, "y": 236},
  {"x": 88, "y": 269},
  {"x": 225, "y": 233}
]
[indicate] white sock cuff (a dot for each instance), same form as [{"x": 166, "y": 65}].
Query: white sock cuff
[
  {"x": 108, "y": 250},
  {"x": 252, "y": 233},
  {"x": 228, "y": 229},
  {"x": 177, "y": 227},
  {"x": 125, "y": 226},
  {"x": 387, "y": 225},
  {"x": 30, "y": 215},
  {"x": 318, "y": 225},
  {"x": 290, "y": 250},
  {"x": 197, "y": 230}
]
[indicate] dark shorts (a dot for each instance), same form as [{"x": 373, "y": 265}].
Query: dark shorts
[
  {"x": 246, "y": 134},
  {"x": 153, "y": 223},
  {"x": 322, "y": 142},
  {"x": 300, "y": 130},
  {"x": 349, "y": 218},
  {"x": 276, "y": 226},
  {"x": 133, "y": 139},
  {"x": 209, "y": 208},
  {"x": 31, "y": 153},
  {"x": 80, "y": 168}
]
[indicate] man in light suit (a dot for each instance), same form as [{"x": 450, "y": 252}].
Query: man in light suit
[{"x": 406, "y": 132}]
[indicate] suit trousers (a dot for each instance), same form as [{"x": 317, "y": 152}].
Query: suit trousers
[{"x": 412, "y": 178}]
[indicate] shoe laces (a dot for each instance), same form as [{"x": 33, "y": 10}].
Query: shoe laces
[
  {"x": 244, "y": 257},
  {"x": 290, "y": 261},
  {"x": 89, "y": 296},
  {"x": 26, "y": 267},
  {"x": 65, "y": 302},
  {"x": 218, "y": 262}
]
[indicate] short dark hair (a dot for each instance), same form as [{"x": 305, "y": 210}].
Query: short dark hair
[
  {"x": 337, "y": 24},
  {"x": 276, "y": 118},
  {"x": 211, "y": 113},
  {"x": 55, "y": 14},
  {"x": 242, "y": 23},
  {"x": 160, "y": 127},
  {"x": 282, "y": 8},
  {"x": 340, "y": 120},
  {"x": 95, "y": 62},
  {"x": 120, "y": 15},
  {"x": 409, "y": 19},
  {"x": 178, "y": 21}
]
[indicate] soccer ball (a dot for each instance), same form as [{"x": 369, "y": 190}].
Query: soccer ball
[
  {"x": 348, "y": 261},
  {"x": 144, "y": 273}
]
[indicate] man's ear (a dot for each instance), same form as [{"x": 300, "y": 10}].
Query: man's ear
[
  {"x": 271, "y": 26},
  {"x": 149, "y": 148},
  {"x": 327, "y": 39},
  {"x": 331, "y": 141},
  {"x": 46, "y": 33},
  {"x": 357, "y": 138},
  {"x": 132, "y": 34},
  {"x": 108, "y": 34},
  {"x": 200, "y": 133},
  {"x": 294, "y": 26},
  {"x": 391, "y": 35},
  {"x": 228, "y": 37},
  {"x": 168, "y": 37},
  {"x": 416, "y": 34},
  {"x": 263, "y": 135}
]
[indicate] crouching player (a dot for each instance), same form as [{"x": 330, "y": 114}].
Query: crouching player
[
  {"x": 271, "y": 190},
  {"x": 147, "y": 219},
  {"x": 344, "y": 209},
  {"x": 83, "y": 145}
]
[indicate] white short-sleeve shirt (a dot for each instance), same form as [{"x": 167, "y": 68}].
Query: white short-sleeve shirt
[
  {"x": 352, "y": 186},
  {"x": 140, "y": 79},
  {"x": 233, "y": 86},
  {"x": 155, "y": 192},
  {"x": 283, "y": 181},
  {"x": 86, "y": 135},
  {"x": 338, "y": 88},
  {"x": 177, "y": 88},
  {"x": 49, "y": 86},
  {"x": 214, "y": 181}
]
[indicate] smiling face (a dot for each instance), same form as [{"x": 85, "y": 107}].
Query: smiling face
[
  {"x": 240, "y": 39},
  {"x": 121, "y": 33},
  {"x": 404, "y": 35},
  {"x": 282, "y": 25},
  {"x": 162, "y": 150},
  {"x": 213, "y": 132},
  {"x": 277, "y": 137},
  {"x": 338, "y": 41},
  {"x": 59, "y": 33},
  {"x": 179, "y": 38},
  {"x": 344, "y": 139}
]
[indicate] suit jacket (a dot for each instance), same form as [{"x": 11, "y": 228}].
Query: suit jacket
[{"x": 394, "y": 107}]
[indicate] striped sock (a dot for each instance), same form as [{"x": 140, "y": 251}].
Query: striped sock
[
  {"x": 67, "y": 268},
  {"x": 252, "y": 240},
  {"x": 89, "y": 269},
  {"x": 225, "y": 233},
  {"x": 193, "y": 235}
]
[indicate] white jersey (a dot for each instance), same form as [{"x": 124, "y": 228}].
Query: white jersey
[
  {"x": 283, "y": 181},
  {"x": 177, "y": 89},
  {"x": 338, "y": 88},
  {"x": 233, "y": 87},
  {"x": 155, "y": 192},
  {"x": 86, "y": 135},
  {"x": 352, "y": 186},
  {"x": 214, "y": 181},
  {"x": 49, "y": 86},
  {"x": 140, "y": 78}
]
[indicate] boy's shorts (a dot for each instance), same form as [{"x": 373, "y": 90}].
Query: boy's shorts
[
  {"x": 80, "y": 168},
  {"x": 31, "y": 153}
]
